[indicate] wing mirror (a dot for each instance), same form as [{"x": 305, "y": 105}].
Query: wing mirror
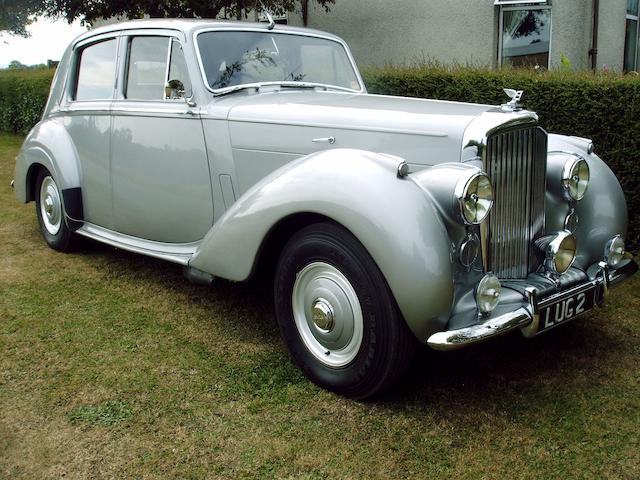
[{"x": 174, "y": 89}]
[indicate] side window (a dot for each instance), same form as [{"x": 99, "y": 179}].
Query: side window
[
  {"x": 147, "y": 70},
  {"x": 179, "y": 85},
  {"x": 97, "y": 71}
]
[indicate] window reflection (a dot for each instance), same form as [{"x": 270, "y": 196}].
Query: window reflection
[
  {"x": 526, "y": 37},
  {"x": 239, "y": 58},
  {"x": 97, "y": 71}
]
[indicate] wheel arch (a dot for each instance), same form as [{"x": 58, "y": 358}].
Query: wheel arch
[
  {"x": 390, "y": 216},
  {"x": 49, "y": 146}
]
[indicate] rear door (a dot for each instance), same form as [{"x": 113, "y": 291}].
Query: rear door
[
  {"x": 88, "y": 120},
  {"x": 159, "y": 169}
]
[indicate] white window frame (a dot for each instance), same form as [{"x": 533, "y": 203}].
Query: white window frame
[
  {"x": 526, "y": 5},
  {"x": 635, "y": 17}
]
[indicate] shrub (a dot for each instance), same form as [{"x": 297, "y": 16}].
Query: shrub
[
  {"x": 23, "y": 95},
  {"x": 603, "y": 107}
]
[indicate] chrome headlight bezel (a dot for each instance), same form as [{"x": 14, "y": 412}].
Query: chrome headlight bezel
[
  {"x": 475, "y": 198},
  {"x": 575, "y": 178},
  {"x": 559, "y": 251}
]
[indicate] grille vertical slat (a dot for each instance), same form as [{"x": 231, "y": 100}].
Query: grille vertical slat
[{"x": 516, "y": 162}]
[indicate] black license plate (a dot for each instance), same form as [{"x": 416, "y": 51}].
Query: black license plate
[{"x": 566, "y": 309}]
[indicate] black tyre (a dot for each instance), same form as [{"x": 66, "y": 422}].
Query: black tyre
[
  {"x": 337, "y": 315},
  {"x": 50, "y": 212}
]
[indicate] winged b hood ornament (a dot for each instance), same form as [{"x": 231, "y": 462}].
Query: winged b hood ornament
[{"x": 513, "y": 104}]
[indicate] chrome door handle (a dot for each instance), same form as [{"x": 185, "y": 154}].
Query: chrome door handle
[{"x": 329, "y": 140}]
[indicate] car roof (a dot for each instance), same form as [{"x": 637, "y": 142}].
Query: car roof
[{"x": 188, "y": 26}]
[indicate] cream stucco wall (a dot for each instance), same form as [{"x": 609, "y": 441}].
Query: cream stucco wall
[
  {"x": 462, "y": 31},
  {"x": 613, "y": 15}
]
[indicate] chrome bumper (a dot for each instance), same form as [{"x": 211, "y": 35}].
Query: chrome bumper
[{"x": 526, "y": 317}]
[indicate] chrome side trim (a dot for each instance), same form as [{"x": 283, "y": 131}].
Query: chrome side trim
[
  {"x": 525, "y": 316},
  {"x": 176, "y": 253}
]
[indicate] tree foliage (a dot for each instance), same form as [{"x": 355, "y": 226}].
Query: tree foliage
[{"x": 15, "y": 15}]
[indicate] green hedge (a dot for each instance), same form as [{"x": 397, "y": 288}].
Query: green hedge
[
  {"x": 604, "y": 107},
  {"x": 23, "y": 95}
]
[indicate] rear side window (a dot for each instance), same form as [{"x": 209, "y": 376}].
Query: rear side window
[
  {"x": 97, "y": 71},
  {"x": 147, "y": 71}
]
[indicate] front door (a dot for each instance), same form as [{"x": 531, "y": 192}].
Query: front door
[{"x": 159, "y": 169}]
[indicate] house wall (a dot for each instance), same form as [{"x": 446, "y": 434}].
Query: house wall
[
  {"x": 613, "y": 15},
  {"x": 402, "y": 31},
  {"x": 462, "y": 31}
]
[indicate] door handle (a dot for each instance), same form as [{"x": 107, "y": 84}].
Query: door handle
[{"x": 329, "y": 140}]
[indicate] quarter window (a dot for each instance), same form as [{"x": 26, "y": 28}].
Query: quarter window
[
  {"x": 97, "y": 71},
  {"x": 631, "y": 36},
  {"x": 179, "y": 84},
  {"x": 525, "y": 35}
]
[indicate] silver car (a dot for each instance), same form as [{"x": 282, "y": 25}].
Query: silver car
[{"x": 387, "y": 222}]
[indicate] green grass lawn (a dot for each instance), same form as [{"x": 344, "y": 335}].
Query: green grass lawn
[{"x": 112, "y": 365}]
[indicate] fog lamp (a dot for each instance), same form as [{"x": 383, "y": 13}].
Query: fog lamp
[
  {"x": 558, "y": 251},
  {"x": 488, "y": 293},
  {"x": 614, "y": 251}
]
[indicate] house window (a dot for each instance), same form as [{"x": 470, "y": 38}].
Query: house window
[
  {"x": 525, "y": 33},
  {"x": 631, "y": 36}
]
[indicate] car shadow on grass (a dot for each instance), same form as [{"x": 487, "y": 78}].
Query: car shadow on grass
[{"x": 497, "y": 374}]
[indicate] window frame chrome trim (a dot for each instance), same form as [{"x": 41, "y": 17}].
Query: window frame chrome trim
[{"x": 218, "y": 91}]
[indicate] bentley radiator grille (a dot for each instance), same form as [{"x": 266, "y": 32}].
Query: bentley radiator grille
[{"x": 516, "y": 163}]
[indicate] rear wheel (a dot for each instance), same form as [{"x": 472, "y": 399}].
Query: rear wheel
[
  {"x": 50, "y": 213},
  {"x": 337, "y": 315}
]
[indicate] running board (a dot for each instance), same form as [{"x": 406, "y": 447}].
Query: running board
[{"x": 179, "y": 253}]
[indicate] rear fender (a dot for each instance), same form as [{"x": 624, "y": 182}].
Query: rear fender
[
  {"x": 391, "y": 216},
  {"x": 49, "y": 145}
]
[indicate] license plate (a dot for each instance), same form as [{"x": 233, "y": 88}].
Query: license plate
[{"x": 566, "y": 309}]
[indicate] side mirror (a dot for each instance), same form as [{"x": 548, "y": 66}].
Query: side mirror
[{"x": 174, "y": 89}]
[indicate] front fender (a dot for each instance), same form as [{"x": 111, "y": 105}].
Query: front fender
[
  {"x": 391, "y": 216},
  {"x": 48, "y": 144}
]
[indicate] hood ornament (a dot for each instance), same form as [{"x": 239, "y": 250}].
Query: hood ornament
[{"x": 515, "y": 96}]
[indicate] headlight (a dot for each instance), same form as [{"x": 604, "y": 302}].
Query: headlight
[
  {"x": 488, "y": 293},
  {"x": 575, "y": 178},
  {"x": 475, "y": 195},
  {"x": 559, "y": 251},
  {"x": 614, "y": 251}
]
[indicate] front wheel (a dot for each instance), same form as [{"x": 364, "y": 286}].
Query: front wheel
[
  {"x": 337, "y": 315},
  {"x": 50, "y": 213}
]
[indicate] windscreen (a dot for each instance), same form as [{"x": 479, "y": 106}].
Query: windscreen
[{"x": 232, "y": 58}]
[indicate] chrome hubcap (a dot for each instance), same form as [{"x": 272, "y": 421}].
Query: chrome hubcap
[
  {"x": 322, "y": 314},
  {"x": 50, "y": 206},
  {"x": 327, "y": 314}
]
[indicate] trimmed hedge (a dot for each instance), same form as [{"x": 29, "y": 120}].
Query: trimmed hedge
[
  {"x": 604, "y": 107},
  {"x": 23, "y": 95}
]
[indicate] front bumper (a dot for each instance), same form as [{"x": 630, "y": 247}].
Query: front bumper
[{"x": 526, "y": 317}]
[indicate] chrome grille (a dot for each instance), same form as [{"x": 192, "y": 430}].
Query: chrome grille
[{"x": 516, "y": 162}]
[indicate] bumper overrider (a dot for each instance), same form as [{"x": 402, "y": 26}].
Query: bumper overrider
[{"x": 544, "y": 304}]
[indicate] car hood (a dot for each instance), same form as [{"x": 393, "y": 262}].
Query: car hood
[{"x": 423, "y": 132}]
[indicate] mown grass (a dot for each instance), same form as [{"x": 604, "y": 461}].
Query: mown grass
[{"x": 113, "y": 366}]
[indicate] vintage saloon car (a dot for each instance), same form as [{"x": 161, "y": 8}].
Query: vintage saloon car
[{"x": 386, "y": 221}]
